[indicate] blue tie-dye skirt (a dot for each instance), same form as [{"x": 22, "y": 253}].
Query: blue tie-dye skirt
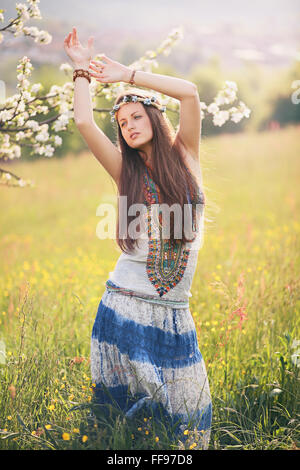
[{"x": 146, "y": 355}]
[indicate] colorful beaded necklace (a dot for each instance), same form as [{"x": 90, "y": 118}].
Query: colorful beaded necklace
[{"x": 166, "y": 262}]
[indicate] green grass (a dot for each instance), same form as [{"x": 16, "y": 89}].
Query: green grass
[{"x": 245, "y": 303}]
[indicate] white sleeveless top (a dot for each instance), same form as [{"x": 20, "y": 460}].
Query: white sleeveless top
[{"x": 155, "y": 271}]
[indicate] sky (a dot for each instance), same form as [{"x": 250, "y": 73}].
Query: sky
[{"x": 155, "y": 14}]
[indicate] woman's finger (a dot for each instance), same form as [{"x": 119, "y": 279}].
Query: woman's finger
[
  {"x": 91, "y": 42},
  {"x": 75, "y": 35},
  {"x": 105, "y": 58},
  {"x": 96, "y": 68},
  {"x": 97, "y": 64}
]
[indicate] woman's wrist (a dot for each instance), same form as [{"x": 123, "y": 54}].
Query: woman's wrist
[
  {"x": 127, "y": 75},
  {"x": 81, "y": 65}
]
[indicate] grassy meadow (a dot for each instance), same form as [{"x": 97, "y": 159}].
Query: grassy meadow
[{"x": 245, "y": 299}]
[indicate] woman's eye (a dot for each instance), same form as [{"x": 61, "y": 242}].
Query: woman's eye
[{"x": 134, "y": 118}]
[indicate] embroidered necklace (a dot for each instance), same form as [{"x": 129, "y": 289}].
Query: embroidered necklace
[{"x": 166, "y": 262}]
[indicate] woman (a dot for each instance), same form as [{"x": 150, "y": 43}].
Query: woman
[{"x": 144, "y": 349}]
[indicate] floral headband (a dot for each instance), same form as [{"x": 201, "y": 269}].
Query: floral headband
[{"x": 133, "y": 98}]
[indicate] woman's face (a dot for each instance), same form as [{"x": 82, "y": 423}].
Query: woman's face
[{"x": 133, "y": 118}]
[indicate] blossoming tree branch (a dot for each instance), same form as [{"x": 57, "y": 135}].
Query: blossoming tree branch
[{"x": 19, "y": 129}]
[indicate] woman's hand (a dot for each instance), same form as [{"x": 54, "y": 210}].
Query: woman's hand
[
  {"x": 109, "y": 71},
  {"x": 78, "y": 54}
]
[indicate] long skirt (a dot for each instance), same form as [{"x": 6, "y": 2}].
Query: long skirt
[{"x": 146, "y": 355}]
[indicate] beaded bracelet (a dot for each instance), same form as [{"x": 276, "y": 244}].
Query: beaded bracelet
[{"x": 81, "y": 73}]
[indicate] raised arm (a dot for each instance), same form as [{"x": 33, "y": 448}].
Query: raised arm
[
  {"x": 189, "y": 131},
  {"x": 99, "y": 144}
]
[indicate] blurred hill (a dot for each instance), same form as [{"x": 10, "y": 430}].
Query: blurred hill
[
  {"x": 261, "y": 32},
  {"x": 256, "y": 44}
]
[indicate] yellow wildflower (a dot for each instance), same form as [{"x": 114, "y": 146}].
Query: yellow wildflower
[
  {"x": 186, "y": 432},
  {"x": 48, "y": 426},
  {"x": 66, "y": 436},
  {"x": 193, "y": 445},
  {"x": 76, "y": 430},
  {"x": 156, "y": 439},
  {"x": 84, "y": 438},
  {"x": 9, "y": 418}
]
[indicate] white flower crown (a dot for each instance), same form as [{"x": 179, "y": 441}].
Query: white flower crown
[{"x": 133, "y": 98}]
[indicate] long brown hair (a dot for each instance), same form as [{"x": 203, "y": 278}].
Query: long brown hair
[{"x": 168, "y": 169}]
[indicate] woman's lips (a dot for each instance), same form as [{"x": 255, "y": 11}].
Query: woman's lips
[{"x": 135, "y": 135}]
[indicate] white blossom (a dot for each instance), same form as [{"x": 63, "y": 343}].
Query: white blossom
[
  {"x": 43, "y": 37},
  {"x": 220, "y": 99},
  {"x": 20, "y": 135},
  {"x": 21, "y": 182},
  {"x": 213, "y": 108},
  {"x": 57, "y": 140},
  {"x": 42, "y": 137},
  {"x": 61, "y": 122},
  {"x": 244, "y": 109},
  {"x": 230, "y": 96},
  {"x": 36, "y": 87},
  {"x": 20, "y": 121},
  {"x": 27, "y": 95},
  {"x": 236, "y": 115},
  {"x": 33, "y": 125},
  {"x": 231, "y": 85},
  {"x": 31, "y": 30},
  {"x": 6, "y": 139},
  {"x": 42, "y": 109},
  {"x": 40, "y": 149},
  {"x": 49, "y": 151},
  {"x": 65, "y": 67},
  {"x": 22, "y": 10},
  {"x": 20, "y": 76},
  {"x": 220, "y": 118},
  {"x": 21, "y": 106},
  {"x": 53, "y": 90},
  {"x": 63, "y": 107},
  {"x": 34, "y": 9},
  {"x": 16, "y": 149},
  {"x": 6, "y": 115}
]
